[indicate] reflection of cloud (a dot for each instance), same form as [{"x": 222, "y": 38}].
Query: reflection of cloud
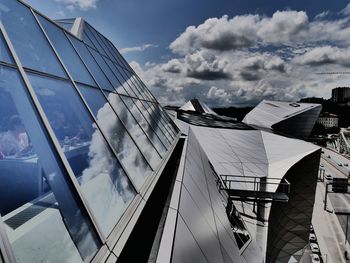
[
  {"x": 125, "y": 148},
  {"x": 105, "y": 185}
]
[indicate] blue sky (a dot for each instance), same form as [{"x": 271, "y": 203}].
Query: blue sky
[{"x": 227, "y": 52}]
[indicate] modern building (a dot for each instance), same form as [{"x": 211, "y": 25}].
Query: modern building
[
  {"x": 328, "y": 120},
  {"x": 341, "y": 95},
  {"x": 286, "y": 118},
  {"x": 197, "y": 106},
  {"x": 93, "y": 169}
]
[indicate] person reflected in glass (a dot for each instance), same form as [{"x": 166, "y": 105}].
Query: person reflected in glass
[
  {"x": 15, "y": 141},
  {"x": 66, "y": 133}
]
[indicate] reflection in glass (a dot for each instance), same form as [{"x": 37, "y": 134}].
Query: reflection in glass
[
  {"x": 89, "y": 61},
  {"x": 136, "y": 132},
  {"x": 151, "y": 129},
  {"x": 128, "y": 153},
  {"x": 93, "y": 39},
  {"x": 41, "y": 215},
  {"x": 29, "y": 42},
  {"x": 102, "y": 179},
  {"x": 104, "y": 67},
  {"x": 66, "y": 52},
  {"x": 152, "y": 115},
  {"x": 4, "y": 52}
]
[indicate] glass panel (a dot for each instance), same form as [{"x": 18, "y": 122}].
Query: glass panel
[
  {"x": 170, "y": 125},
  {"x": 155, "y": 134},
  {"x": 121, "y": 88},
  {"x": 42, "y": 217},
  {"x": 136, "y": 132},
  {"x": 140, "y": 84},
  {"x": 93, "y": 39},
  {"x": 67, "y": 53},
  {"x": 29, "y": 42},
  {"x": 120, "y": 60},
  {"x": 128, "y": 154},
  {"x": 91, "y": 64},
  {"x": 87, "y": 41},
  {"x": 105, "y": 68},
  {"x": 129, "y": 91},
  {"x": 4, "y": 52},
  {"x": 152, "y": 114},
  {"x": 102, "y": 179}
]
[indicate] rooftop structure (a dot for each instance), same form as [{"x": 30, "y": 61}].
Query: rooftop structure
[
  {"x": 93, "y": 169},
  {"x": 287, "y": 118}
]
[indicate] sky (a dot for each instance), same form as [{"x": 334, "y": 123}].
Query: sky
[{"x": 224, "y": 52}]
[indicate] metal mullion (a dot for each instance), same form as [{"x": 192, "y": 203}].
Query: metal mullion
[
  {"x": 166, "y": 138},
  {"x": 115, "y": 52},
  {"x": 84, "y": 102},
  {"x": 49, "y": 130},
  {"x": 127, "y": 131},
  {"x": 125, "y": 76},
  {"x": 5, "y": 64},
  {"x": 150, "y": 126},
  {"x": 161, "y": 120},
  {"x": 166, "y": 117},
  {"x": 100, "y": 41},
  {"x": 116, "y": 93},
  {"x": 143, "y": 86},
  {"x": 96, "y": 41},
  {"x": 161, "y": 126},
  {"x": 141, "y": 103}
]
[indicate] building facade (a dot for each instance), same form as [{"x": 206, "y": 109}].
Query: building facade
[
  {"x": 93, "y": 169},
  {"x": 341, "y": 95},
  {"x": 328, "y": 120}
]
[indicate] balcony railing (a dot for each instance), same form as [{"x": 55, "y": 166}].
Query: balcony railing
[{"x": 256, "y": 189}]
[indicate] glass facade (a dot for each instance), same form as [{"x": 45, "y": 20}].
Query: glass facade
[{"x": 80, "y": 135}]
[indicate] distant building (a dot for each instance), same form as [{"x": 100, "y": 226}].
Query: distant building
[
  {"x": 341, "y": 94},
  {"x": 312, "y": 100},
  {"x": 328, "y": 120}
]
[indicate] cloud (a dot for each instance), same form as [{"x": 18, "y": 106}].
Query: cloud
[
  {"x": 322, "y": 15},
  {"x": 346, "y": 10},
  {"x": 137, "y": 48},
  {"x": 79, "y": 4},
  {"x": 244, "y": 59},
  {"x": 325, "y": 55}
]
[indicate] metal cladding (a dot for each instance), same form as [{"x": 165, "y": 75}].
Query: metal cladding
[
  {"x": 92, "y": 168},
  {"x": 286, "y": 118}
]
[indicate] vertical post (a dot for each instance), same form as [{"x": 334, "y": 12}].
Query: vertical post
[
  {"x": 347, "y": 226},
  {"x": 325, "y": 198}
]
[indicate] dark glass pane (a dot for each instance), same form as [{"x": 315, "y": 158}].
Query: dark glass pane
[
  {"x": 66, "y": 52},
  {"x": 128, "y": 153},
  {"x": 152, "y": 115},
  {"x": 140, "y": 84},
  {"x": 39, "y": 208},
  {"x": 29, "y": 42},
  {"x": 126, "y": 88},
  {"x": 169, "y": 123},
  {"x": 102, "y": 180},
  {"x": 4, "y": 52},
  {"x": 105, "y": 68},
  {"x": 136, "y": 132},
  {"x": 150, "y": 128},
  {"x": 91, "y": 64},
  {"x": 93, "y": 39},
  {"x": 87, "y": 40}
]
